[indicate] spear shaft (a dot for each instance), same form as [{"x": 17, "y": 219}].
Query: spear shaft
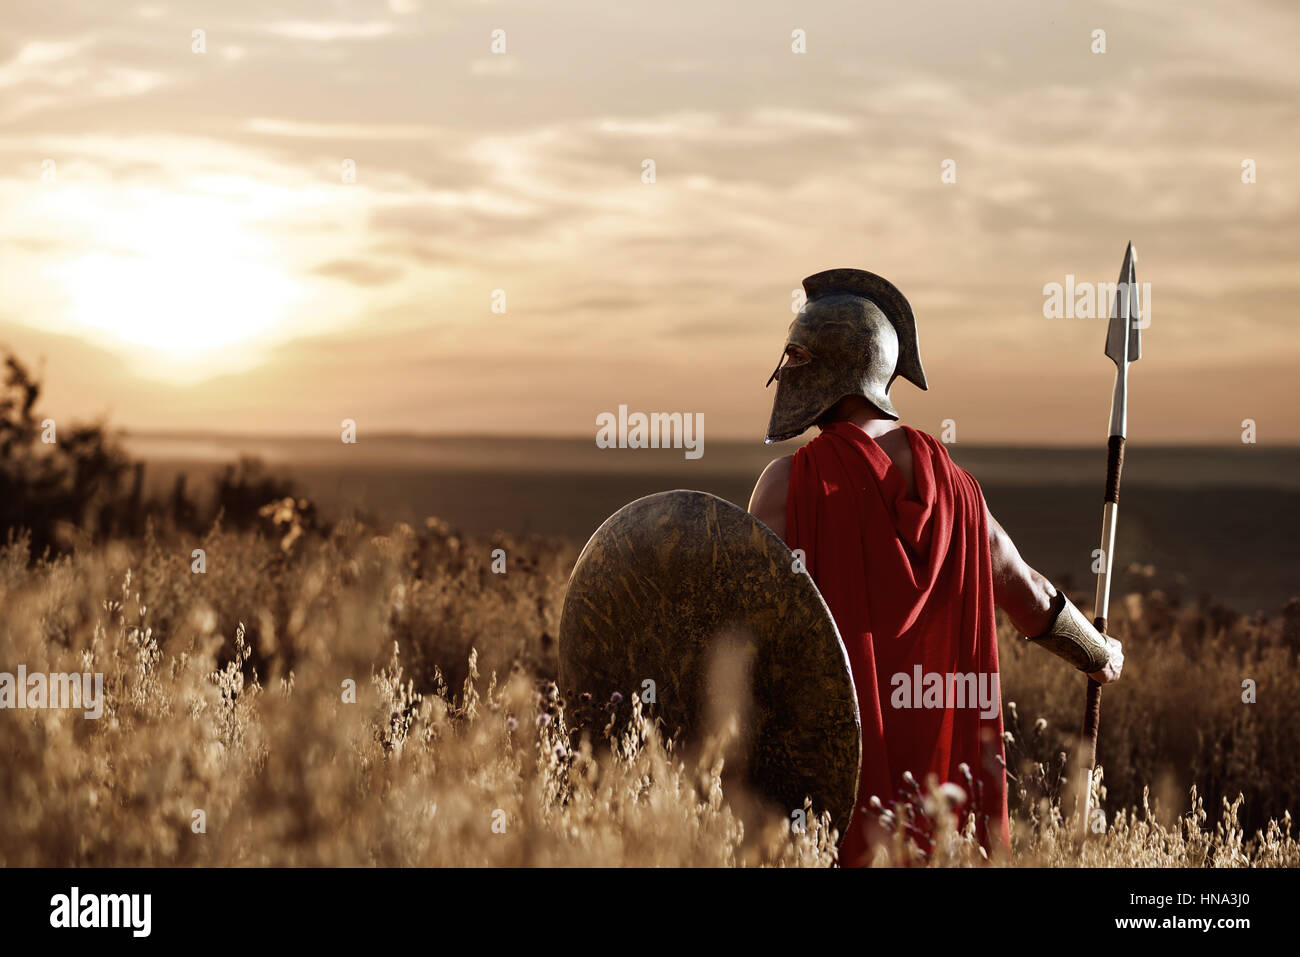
[{"x": 1123, "y": 345}]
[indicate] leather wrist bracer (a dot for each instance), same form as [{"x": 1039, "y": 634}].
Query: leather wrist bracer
[{"x": 1073, "y": 637}]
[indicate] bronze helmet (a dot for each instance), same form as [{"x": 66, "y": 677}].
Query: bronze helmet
[{"x": 859, "y": 334}]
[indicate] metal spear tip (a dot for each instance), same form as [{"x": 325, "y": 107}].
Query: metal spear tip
[{"x": 1124, "y": 334}]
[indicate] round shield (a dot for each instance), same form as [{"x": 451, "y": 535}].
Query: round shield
[{"x": 696, "y": 607}]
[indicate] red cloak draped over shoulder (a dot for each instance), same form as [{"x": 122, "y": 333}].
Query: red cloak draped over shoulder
[{"x": 910, "y": 585}]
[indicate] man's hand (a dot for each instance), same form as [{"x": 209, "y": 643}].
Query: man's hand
[{"x": 1114, "y": 666}]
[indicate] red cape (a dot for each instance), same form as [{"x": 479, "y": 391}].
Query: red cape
[{"x": 910, "y": 585}]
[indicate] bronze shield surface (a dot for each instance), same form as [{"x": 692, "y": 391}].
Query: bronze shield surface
[{"x": 670, "y": 579}]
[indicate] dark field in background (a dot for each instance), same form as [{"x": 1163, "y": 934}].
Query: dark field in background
[{"x": 1220, "y": 522}]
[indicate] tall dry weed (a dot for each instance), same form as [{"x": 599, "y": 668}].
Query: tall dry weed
[{"x": 386, "y": 699}]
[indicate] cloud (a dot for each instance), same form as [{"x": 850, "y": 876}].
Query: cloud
[
  {"x": 337, "y": 131},
  {"x": 359, "y": 272},
  {"x": 327, "y": 31},
  {"x": 59, "y": 74},
  {"x": 34, "y": 62}
]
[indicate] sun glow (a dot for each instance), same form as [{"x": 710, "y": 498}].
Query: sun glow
[{"x": 177, "y": 276}]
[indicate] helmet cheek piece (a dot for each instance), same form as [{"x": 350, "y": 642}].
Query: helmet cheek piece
[{"x": 801, "y": 399}]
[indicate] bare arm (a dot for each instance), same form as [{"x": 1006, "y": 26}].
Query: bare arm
[
  {"x": 1030, "y": 600},
  {"x": 767, "y": 504},
  {"x": 1023, "y": 593}
]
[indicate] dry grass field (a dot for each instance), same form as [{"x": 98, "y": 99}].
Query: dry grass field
[{"x": 225, "y": 694}]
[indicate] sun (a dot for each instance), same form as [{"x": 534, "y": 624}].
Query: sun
[{"x": 175, "y": 276}]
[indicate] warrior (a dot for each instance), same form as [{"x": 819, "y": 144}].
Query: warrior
[{"x": 903, "y": 548}]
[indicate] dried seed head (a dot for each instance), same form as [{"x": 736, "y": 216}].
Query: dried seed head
[{"x": 952, "y": 793}]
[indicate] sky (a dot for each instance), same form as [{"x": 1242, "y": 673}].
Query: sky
[{"x": 309, "y": 219}]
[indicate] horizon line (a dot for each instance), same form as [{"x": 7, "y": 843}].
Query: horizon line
[{"x": 573, "y": 437}]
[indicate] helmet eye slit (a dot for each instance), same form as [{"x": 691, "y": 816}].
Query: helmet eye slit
[{"x": 795, "y": 356}]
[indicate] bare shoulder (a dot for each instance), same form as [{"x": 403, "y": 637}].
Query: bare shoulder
[
  {"x": 778, "y": 469},
  {"x": 767, "y": 504},
  {"x": 775, "y": 478}
]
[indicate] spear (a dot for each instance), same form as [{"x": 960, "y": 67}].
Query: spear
[{"x": 1123, "y": 345}]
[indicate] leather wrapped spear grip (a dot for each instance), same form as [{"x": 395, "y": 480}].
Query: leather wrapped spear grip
[
  {"x": 1073, "y": 637},
  {"x": 1114, "y": 466}
]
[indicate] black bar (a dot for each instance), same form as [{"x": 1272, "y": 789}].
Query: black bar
[{"x": 581, "y": 909}]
